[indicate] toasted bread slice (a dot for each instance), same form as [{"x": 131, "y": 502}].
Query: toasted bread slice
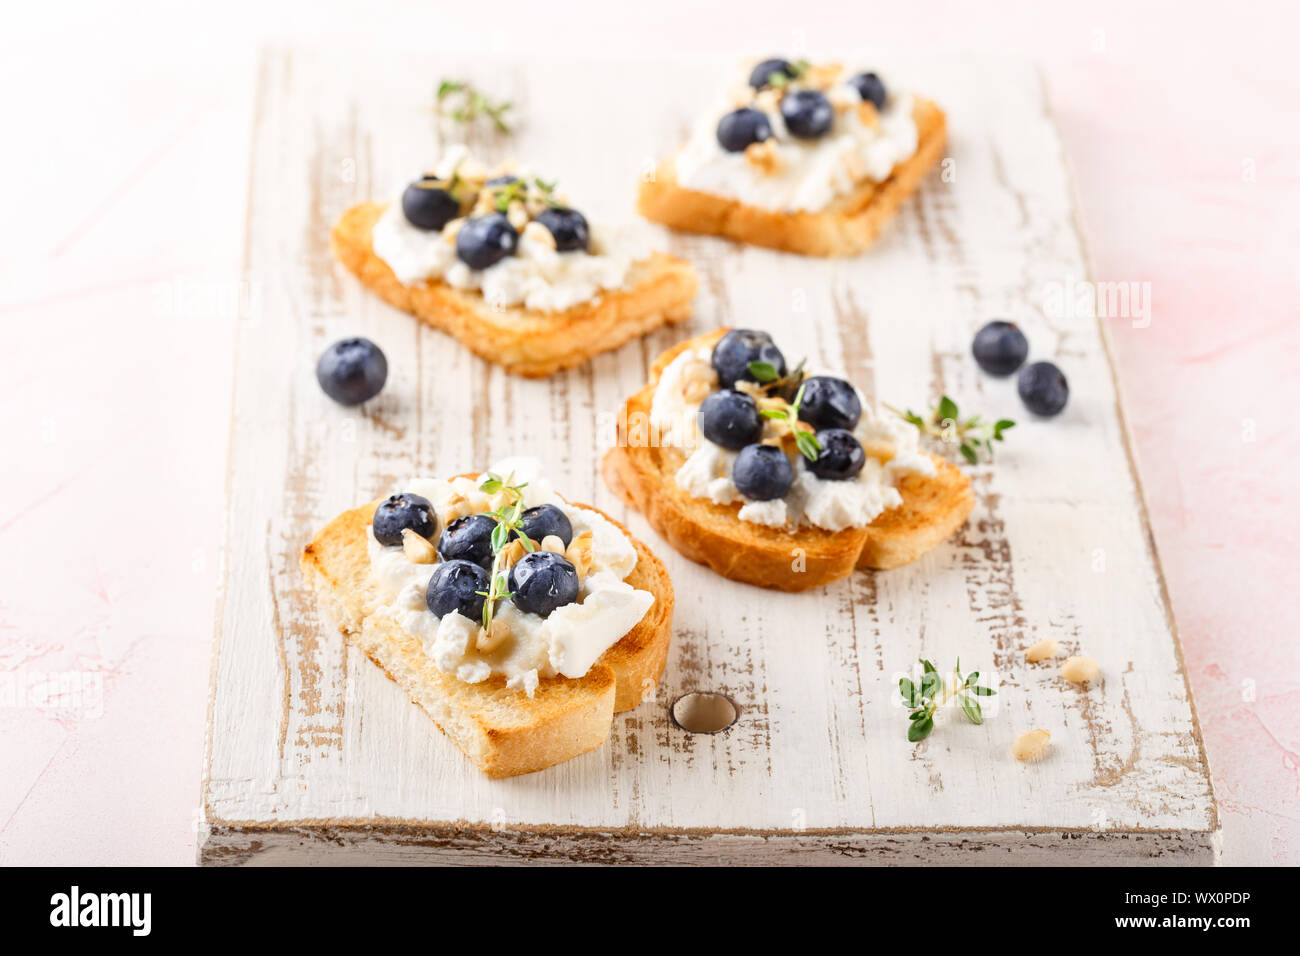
[
  {"x": 845, "y": 228},
  {"x": 525, "y": 342},
  {"x": 503, "y": 731},
  {"x": 642, "y": 474}
]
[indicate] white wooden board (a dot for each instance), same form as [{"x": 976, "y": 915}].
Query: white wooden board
[{"x": 313, "y": 755}]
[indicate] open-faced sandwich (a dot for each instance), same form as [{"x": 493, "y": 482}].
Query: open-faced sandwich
[
  {"x": 775, "y": 476},
  {"x": 520, "y": 622},
  {"x": 810, "y": 158},
  {"x": 496, "y": 257}
]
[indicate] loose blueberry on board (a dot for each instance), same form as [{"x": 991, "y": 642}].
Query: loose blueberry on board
[
  {"x": 829, "y": 402},
  {"x": 542, "y": 581},
  {"x": 761, "y": 74},
  {"x": 1043, "y": 388},
  {"x": 841, "y": 457},
  {"x": 739, "y": 347},
  {"x": 568, "y": 226},
  {"x": 807, "y": 114},
  {"x": 870, "y": 87},
  {"x": 352, "y": 371},
  {"x": 730, "y": 419},
  {"x": 543, "y": 520},
  {"x": 486, "y": 240},
  {"x": 454, "y": 587},
  {"x": 468, "y": 538},
  {"x": 742, "y": 128},
  {"x": 762, "y": 472},
  {"x": 1000, "y": 347},
  {"x": 402, "y": 511},
  {"x": 428, "y": 207}
]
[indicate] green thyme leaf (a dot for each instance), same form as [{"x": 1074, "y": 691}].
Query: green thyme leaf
[
  {"x": 968, "y": 452},
  {"x": 920, "y": 729},
  {"x": 763, "y": 371},
  {"x": 947, "y": 410},
  {"x": 972, "y": 709},
  {"x": 908, "y": 690},
  {"x": 983, "y": 691}
]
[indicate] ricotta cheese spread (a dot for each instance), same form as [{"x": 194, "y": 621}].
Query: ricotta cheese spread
[
  {"x": 893, "y": 450},
  {"x": 808, "y": 174},
  {"x": 537, "y": 276},
  {"x": 566, "y": 643}
]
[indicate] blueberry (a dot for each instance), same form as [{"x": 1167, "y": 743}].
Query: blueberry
[
  {"x": 841, "y": 457},
  {"x": 1000, "y": 347},
  {"x": 807, "y": 114},
  {"x": 739, "y": 347},
  {"x": 1043, "y": 388},
  {"x": 761, "y": 74},
  {"x": 730, "y": 419},
  {"x": 468, "y": 538},
  {"x": 568, "y": 226},
  {"x": 403, "y": 511},
  {"x": 829, "y": 403},
  {"x": 870, "y": 87},
  {"x": 454, "y": 587},
  {"x": 486, "y": 240},
  {"x": 762, "y": 472},
  {"x": 502, "y": 180},
  {"x": 428, "y": 207},
  {"x": 546, "y": 519},
  {"x": 352, "y": 371},
  {"x": 541, "y": 581},
  {"x": 741, "y": 128}
]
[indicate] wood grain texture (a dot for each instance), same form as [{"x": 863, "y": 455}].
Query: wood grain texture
[{"x": 314, "y": 755}]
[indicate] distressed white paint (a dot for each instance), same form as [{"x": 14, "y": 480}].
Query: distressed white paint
[{"x": 309, "y": 740}]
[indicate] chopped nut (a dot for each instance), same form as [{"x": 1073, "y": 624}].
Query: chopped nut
[
  {"x": 1031, "y": 745},
  {"x": 1042, "y": 650},
  {"x": 418, "y": 550},
  {"x": 882, "y": 450},
  {"x": 579, "y": 553},
  {"x": 822, "y": 76},
  {"x": 457, "y": 506},
  {"x": 763, "y": 156},
  {"x": 512, "y": 553},
  {"x": 553, "y": 543},
  {"x": 452, "y": 228},
  {"x": 769, "y": 100},
  {"x": 493, "y": 637},
  {"x": 868, "y": 114},
  {"x": 484, "y": 204},
  {"x": 1080, "y": 670},
  {"x": 696, "y": 391},
  {"x": 517, "y": 214},
  {"x": 536, "y": 232},
  {"x": 752, "y": 389}
]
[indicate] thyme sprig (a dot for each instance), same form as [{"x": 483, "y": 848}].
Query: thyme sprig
[
  {"x": 945, "y": 423},
  {"x": 773, "y": 381},
  {"x": 472, "y": 104},
  {"x": 924, "y": 699},
  {"x": 778, "y": 78},
  {"x": 521, "y": 190},
  {"x": 509, "y": 521},
  {"x": 788, "y": 412}
]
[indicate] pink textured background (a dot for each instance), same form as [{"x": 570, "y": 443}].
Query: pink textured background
[{"x": 123, "y": 180}]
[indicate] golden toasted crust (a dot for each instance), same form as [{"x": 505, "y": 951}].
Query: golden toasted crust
[
  {"x": 525, "y": 342},
  {"x": 845, "y": 228},
  {"x": 503, "y": 731},
  {"x": 641, "y": 473}
]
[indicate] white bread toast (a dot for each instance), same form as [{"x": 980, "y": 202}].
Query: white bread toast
[
  {"x": 503, "y": 731},
  {"x": 933, "y": 508},
  {"x": 525, "y": 342},
  {"x": 845, "y": 228}
]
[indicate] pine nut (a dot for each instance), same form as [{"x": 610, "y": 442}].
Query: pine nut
[
  {"x": 1079, "y": 670},
  {"x": 1031, "y": 745}
]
